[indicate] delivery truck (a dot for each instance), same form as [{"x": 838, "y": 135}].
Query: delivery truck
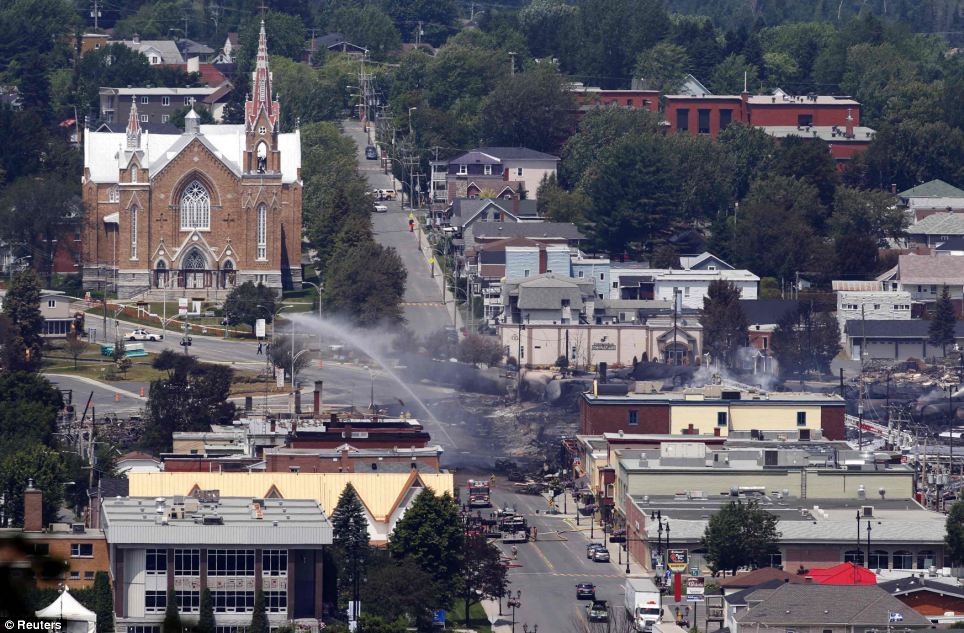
[{"x": 643, "y": 603}]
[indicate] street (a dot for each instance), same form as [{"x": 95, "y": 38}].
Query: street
[
  {"x": 423, "y": 307},
  {"x": 548, "y": 569}
]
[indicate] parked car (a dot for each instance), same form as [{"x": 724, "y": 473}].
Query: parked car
[
  {"x": 371, "y": 153},
  {"x": 389, "y": 194},
  {"x": 591, "y": 548},
  {"x": 600, "y": 555},
  {"x": 381, "y": 208},
  {"x": 585, "y": 591},
  {"x": 597, "y": 611},
  {"x": 140, "y": 334}
]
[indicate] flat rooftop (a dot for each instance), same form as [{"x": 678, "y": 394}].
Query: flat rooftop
[
  {"x": 223, "y": 521},
  {"x": 714, "y": 395}
]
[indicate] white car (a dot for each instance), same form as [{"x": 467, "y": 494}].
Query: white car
[
  {"x": 140, "y": 334},
  {"x": 381, "y": 208}
]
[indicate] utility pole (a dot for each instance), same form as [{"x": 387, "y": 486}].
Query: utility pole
[
  {"x": 512, "y": 57},
  {"x": 418, "y": 35},
  {"x": 95, "y": 13}
]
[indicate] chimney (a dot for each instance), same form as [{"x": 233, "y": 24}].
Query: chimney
[
  {"x": 273, "y": 426},
  {"x": 194, "y": 65},
  {"x": 318, "y": 385},
  {"x": 344, "y": 463},
  {"x": 298, "y": 401},
  {"x": 33, "y": 516},
  {"x": 850, "y": 123}
]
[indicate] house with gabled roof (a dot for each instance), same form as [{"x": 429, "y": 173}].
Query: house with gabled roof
[
  {"x": 932, "y": 197},
  {"x": 497, "y": 169},
  {"x": 936, "y": 599}
]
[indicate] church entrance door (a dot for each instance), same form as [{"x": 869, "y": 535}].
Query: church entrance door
[{"x": 195, "y": 275}]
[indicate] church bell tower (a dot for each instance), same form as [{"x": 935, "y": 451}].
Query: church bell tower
[{"x": 261, "y": 116}]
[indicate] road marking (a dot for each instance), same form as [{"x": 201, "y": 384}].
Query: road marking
[
  {"x": 564, "y": 574},
  {"x": 543, "y": 557},
  {"x": 422, "y": 304}
]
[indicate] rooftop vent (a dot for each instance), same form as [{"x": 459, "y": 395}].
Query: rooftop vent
[
  {"x": 867, "y": 511},
  {"x": 213, "y": 519}
]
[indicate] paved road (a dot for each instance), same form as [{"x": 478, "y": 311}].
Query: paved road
[
  {"x": 103, "y": 400},
  {"x": 550, "y": 567},
  {"x": 424, "y": 310}
]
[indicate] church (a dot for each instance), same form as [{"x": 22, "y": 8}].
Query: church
[{"x": 195, "y": 214}]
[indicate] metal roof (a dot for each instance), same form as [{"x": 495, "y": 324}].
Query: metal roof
[
  {"x": 243, "y": 521},
  {"x": 379, "y": 492},
  {"x": 532, "y": 230},
  {"x": 914, "y": 329}
]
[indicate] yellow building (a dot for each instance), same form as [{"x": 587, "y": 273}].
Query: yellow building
[{"x": 386, "y": 496}]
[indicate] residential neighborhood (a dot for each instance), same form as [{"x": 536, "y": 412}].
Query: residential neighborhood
[{"x": 594, "y": 317}]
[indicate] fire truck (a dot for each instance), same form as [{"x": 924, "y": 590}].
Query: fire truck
[{"x": 479, "y": 496}]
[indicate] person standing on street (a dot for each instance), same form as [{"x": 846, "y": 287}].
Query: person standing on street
[{"x": 260, "y": 348}]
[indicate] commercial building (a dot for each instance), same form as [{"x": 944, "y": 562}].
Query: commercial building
[
  {"x": 896, "y": 340},
  {"x": 589, "y": 98},
  {"x": 712, "y": 410},
  {"x": 232, "y": 546},
  {"x": 871, "y": 305},
  {"x": 75, "y": 551},
  {"x": 385, "y": 495},
  {"x": 351, "y": 459},
  {"x": 156, "y": 104}
]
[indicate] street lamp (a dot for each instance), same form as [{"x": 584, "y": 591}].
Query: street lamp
[
  {"x": 514, "y": 603},
  {"x": 410, "y": 119},
  {"x": 317, "y": 289}
]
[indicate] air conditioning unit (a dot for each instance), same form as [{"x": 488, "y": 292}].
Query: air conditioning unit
[{"x": 867, "y": 511}]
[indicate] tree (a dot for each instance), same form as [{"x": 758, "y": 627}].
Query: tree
[
  {"x": 740, "y": 534},
  {"x": 284, "y": 348},
  {"x": 723, "y": 321},
  {"x": 192, "y": 398},
  {"x": 732, "y": 74},
  {"x": 943, "y": 325},
  {"x": 365, "y": 285},
  {"x": 259, "y": 618},
  {"x": 533, "y": 109},
  {"x": 75, "y": 346},
  {"x": 29, "y": 405},
  {"x": 206, "y": 622},
  {"x": 666, "y": 256},
  {"x": 172, "y": 617},
  {"x": 119, "y": 352},
  {"x": 380, "y": 590},
  {"x": 810, "y": 161},
  {"x": 103, "y": 603},
  {"x": 366, "y": 26},
  {"x": 36, "y": 215},
  {"x": 22, "y": 306},
  {"x": 46, "y": 468},
  {"x": 247, "y": 303},
  {"x": 431, "y": 535},
  {"x": 662, "y": 67},
  {"x": 955, "y": 532},
  {"x": 483, "y": 573},
  {"x": 475, "y": 348},
  {"x": 351, "y": 541},
  {"x": 806, "y": 341},
  {"x": 556, "y": 204},
  {"x": 598, "y": 129}
]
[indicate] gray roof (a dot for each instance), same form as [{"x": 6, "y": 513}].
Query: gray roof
[
  {"x": 933, "y": 189},
  {"x": 546, "y": 292},
  {"x": 464, "y": 209},
  {"x": 818, "y": 605},
  {"x": 166, "y": 48},
  {"x": 930, "y": 269},
  {"x": 896, "y": 328},
  {"x": 191, "y": 47},
  {"x": 493, "y": 155},
  {"x": 939, "y": 224},
  {"x": 533, "y": 230},
  {"x": 134, "y": 520},
  {"x": 913, "y": 584}
]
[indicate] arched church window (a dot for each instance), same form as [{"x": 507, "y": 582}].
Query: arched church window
[
  {"x": 194, "y": 261},
  {"x": 113, "y": 194},
  {"x": 133, "y": 232},
  {"x": 161, "y": 264},
  {"x": 133, "y": 174},
  {"x": 195, "y": 207},
  {"x": 229, "y": 265}
]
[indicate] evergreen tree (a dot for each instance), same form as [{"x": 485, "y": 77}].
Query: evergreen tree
[
  {"x": 22, "y": 306},
  {"x": 205, "y": 622},
  {"x": 104, "y": 603},
  {"x": 259, "y": 619},
  {"x": 724, "y": 323},
  {"x": 172, "y": 617},
  {"x": 350, "y": 544},
  {"x": 943, "y": 322},
  {"x": 431, "y": 534}
]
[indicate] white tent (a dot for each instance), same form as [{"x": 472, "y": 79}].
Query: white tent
[{"x": 74, "y": 616}]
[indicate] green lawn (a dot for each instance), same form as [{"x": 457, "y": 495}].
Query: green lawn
[
  {"x": 478, "y": 621},
  {"x": 92, "y": 365}
]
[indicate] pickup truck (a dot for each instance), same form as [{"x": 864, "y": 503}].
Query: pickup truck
[{"x": 140, "y": 334}]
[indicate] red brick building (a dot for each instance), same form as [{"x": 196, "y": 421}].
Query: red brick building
[
  {"x": 351, "y": 459},
  {"x": 589, "y": 98},
  {"x": 198, "y": 212},
  {"x": 366, "y": 433},
  {"x": 834, "y": 120}
]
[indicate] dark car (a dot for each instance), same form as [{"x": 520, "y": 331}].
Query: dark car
[
  {"x": 585, "y": 591},
  {"x": 371, "y": 153},
  {"x": 597, "y": 611}
]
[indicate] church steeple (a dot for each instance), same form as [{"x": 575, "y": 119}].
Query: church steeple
[
  {"x": 262, "y": 99},
  {"x": 133, "y": 127}
]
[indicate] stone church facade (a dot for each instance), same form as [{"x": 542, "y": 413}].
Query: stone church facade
[{"x": 195, "y": 214}]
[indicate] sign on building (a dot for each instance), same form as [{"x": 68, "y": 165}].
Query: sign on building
[{"x": 677, "y": 560}]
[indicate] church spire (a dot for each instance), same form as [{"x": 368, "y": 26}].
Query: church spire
[
  {"x": 133, "y": 127},
  {"x": 261, "y": 86}
]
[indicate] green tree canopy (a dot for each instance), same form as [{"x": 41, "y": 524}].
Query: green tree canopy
[
  {"x": 740, "y": 534},
  {"x": 103, "y": 602},
  {"x": 380, "y": 590},
  {"x": 723, "y": 321},
  {"x": 531, "y": 109},
  {"x": 366, "y": 285},
  {"x": 955, "y": 532},
  {"x": 206, "y": 622},
  {"x": 431, "y": 535},
  {"x": 806, "y": 341},
  {"x": 22, "y": 306},
  {"x": 662, "y": 67},
  {"x": 46, "y": 468},
  {"x": 247, "y": 303},
  {"x": 367, "y": 26},
  {"x": 483, "y": 573},
  {"x": 943, "y": 324}
]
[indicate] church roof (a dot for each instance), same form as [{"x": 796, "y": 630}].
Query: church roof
[{"x": 226, "y": 142}]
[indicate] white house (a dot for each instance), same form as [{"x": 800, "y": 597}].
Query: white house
[
  {"x": 872, "y": 305},
  {"x": 691, "y": 286}
]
